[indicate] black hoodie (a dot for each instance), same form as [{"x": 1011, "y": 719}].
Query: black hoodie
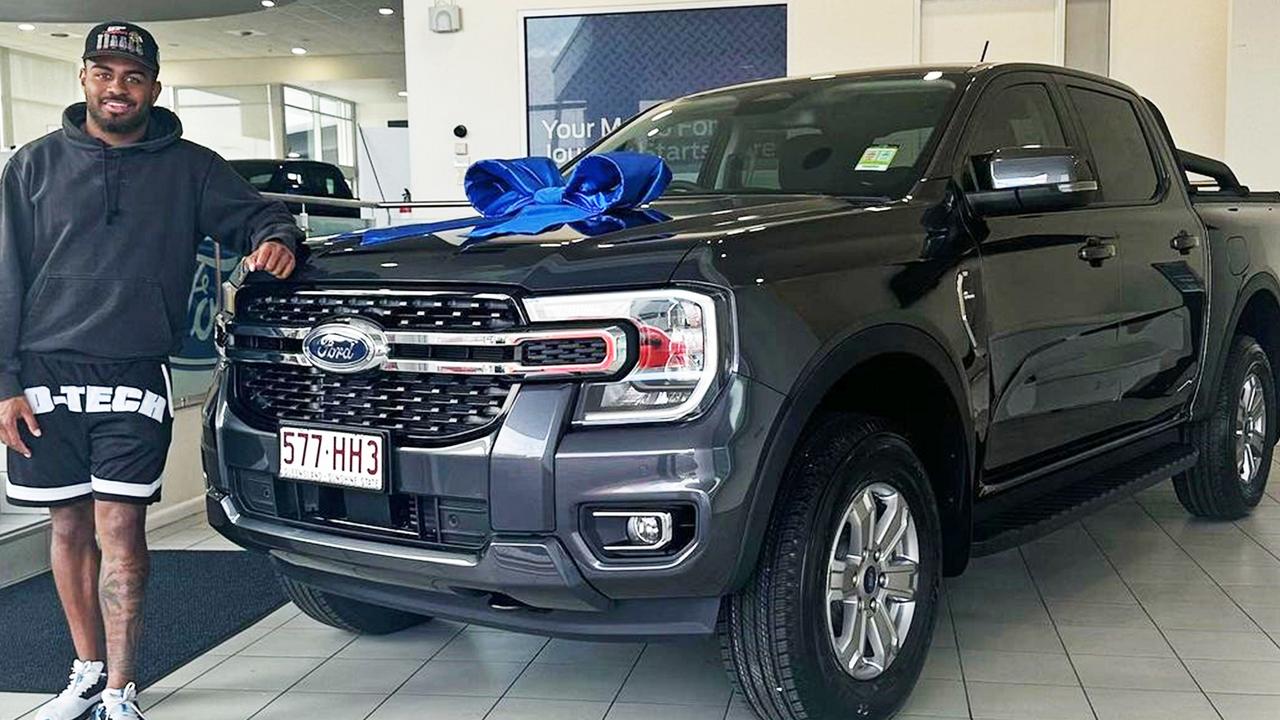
[{"x": 98, "y": 243}]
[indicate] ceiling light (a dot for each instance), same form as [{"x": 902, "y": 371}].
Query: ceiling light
[
  {"x": 293, "y": 156},
  {"x": 26, "y": 27},
  {"x": 386, "y": 11},
  {"x": 268, "y": 3},
  {"x": 299, "y": 51},
  {"x": 403, "y": 93}
]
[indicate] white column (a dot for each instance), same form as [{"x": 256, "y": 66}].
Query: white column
[{"x": 1253, "y": 93}]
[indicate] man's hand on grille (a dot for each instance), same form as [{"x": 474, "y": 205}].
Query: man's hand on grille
[
  {"x": 272, "y": 256},
  {"x": 11, "y": 411}
]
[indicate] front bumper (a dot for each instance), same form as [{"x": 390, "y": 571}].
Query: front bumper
[{"x": 536, "y": 473}]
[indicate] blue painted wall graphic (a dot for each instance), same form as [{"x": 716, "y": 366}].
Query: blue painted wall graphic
[
  {"x": 588, "y": 73},
  {"x": 193, "y": 364}
]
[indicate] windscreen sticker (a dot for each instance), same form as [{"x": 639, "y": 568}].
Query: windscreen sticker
[{"x": 877, "y": 158}]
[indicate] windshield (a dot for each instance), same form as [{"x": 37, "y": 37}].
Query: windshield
[{"x": 853, "y": 136}]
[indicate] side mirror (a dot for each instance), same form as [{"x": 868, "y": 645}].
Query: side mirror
[{"x": 1030, "y": 179}]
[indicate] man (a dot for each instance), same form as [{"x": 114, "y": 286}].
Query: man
[{"x": 99, "y": 224}]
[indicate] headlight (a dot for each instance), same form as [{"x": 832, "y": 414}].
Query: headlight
[{"x": 685, "y": 350}]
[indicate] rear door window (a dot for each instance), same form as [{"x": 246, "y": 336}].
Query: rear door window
[{"x": 1126, "y": 170}]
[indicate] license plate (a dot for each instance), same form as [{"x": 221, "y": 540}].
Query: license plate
[{"x": 330, "y": 457}]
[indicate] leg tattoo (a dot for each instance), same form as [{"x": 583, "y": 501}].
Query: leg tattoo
[{"x": 125, "y": 567}]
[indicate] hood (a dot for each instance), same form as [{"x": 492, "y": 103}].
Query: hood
[
  {"x": 570, "y": 257},
  {"x": 163, "y": 129}
]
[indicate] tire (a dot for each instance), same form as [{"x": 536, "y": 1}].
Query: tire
[
  {"x": 1215, "y": 487},
  {"x": 776, "y": 633},
  {"x": 347, "y": 614}
]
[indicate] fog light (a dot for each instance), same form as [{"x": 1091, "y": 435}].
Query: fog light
[{"x": 645, "y": 529}]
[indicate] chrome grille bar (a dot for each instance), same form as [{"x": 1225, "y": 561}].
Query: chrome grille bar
[{"x": 614, "y": 338}]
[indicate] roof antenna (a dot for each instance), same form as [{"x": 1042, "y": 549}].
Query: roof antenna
[{"x": 985, "y": 45}]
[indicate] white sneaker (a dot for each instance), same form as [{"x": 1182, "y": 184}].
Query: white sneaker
[
  {"x": 88, "y": 680},
  {"x": 119, "y": 705}
]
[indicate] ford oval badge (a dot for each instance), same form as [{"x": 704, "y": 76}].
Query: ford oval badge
[{"x": 346, "y": 346}]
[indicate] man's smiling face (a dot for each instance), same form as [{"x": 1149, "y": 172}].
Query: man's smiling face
[{"x": 119, "y": 93}]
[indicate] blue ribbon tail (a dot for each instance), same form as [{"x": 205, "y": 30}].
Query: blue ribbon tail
[
  {"x": 532, "y": 220},
  {"x": 379, "y": 236}
]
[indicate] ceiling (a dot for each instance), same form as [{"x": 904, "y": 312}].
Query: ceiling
[
  {"x": 323, "y": 27},
  {"x": 137, "y": 10}
]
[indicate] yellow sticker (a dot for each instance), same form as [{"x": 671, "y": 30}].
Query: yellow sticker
[{"x": 877, "y": 158}]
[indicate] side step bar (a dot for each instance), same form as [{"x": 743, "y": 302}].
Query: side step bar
[{"x": 1067, "y": 504}]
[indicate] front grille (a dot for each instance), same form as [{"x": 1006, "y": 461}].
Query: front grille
[
  {"x": 418, "y": 408},
  {"x": 585, "y": 351},
  {"x": 425, "y": 312}
]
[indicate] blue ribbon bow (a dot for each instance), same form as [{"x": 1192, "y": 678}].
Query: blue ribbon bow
[{"x": 529, "y": 195}]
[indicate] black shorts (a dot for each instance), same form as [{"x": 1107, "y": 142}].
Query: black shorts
[{"x": 105, "y": 432}]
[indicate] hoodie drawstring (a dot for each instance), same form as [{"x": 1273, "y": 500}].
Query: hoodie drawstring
[
  {"x": 106, "y": 185},
  {"x": 110, "y": 199}
]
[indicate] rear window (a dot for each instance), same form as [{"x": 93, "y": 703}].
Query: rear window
[{"x": 260, "y": 181}]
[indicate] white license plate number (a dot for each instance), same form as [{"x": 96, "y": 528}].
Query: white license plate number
[{"x": 329, "y": 457}]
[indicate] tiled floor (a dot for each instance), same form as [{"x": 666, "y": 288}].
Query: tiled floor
[{"x": 1138, "y": 612}]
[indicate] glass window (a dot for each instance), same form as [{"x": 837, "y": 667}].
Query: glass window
[
  {"x": 329, "y": 106},
  {"x": 297, "y": 98},
  {"x": 261, "y": 181},
  {"x": 235, "y": 121},
  {"x": 862, "y": 136},
  {"x": 319, "y": 127},
  {"x": 1126, "y": 170},
  {"x": 1017, "y": 116},
  {"x": 329, "y": 139},
  {"x": 299, "y": 131},
  {"x": 37, "y": 90}
]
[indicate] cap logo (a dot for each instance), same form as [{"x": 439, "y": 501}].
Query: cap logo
[{"x": 119, "y": 37}]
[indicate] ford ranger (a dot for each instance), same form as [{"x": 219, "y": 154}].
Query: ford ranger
[{"x": 879, "y": 323}]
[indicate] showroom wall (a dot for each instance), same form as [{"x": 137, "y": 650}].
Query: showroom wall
[
  {"x": 475, "y": 77},
  {"x": 484, "y": 86},
  {"x": 1253, "y": 93},
  {"x": 1176, "y": 52}
]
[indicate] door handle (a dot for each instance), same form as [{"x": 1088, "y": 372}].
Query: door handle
[
  {"x": 1184, "y": 242},
  {"x": 1096, "y": 251}
]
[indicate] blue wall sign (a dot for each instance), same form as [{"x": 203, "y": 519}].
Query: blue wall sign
[{"x": 586, "y": 74}]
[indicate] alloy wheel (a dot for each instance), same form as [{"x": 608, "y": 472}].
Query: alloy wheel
[
  {"x": 1251, "y": 428},
  {"x": 873, "y": 572}
]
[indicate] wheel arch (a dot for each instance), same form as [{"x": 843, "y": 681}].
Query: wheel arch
[
  {"x": 1256, "y": 313},
  {"x": 866, "y": 372}
]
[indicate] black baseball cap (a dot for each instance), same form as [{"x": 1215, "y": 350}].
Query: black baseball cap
[{"x": 123, "y": 40}]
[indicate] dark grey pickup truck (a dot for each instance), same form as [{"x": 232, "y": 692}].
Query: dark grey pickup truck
[{"x": 879, "y": 323}]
